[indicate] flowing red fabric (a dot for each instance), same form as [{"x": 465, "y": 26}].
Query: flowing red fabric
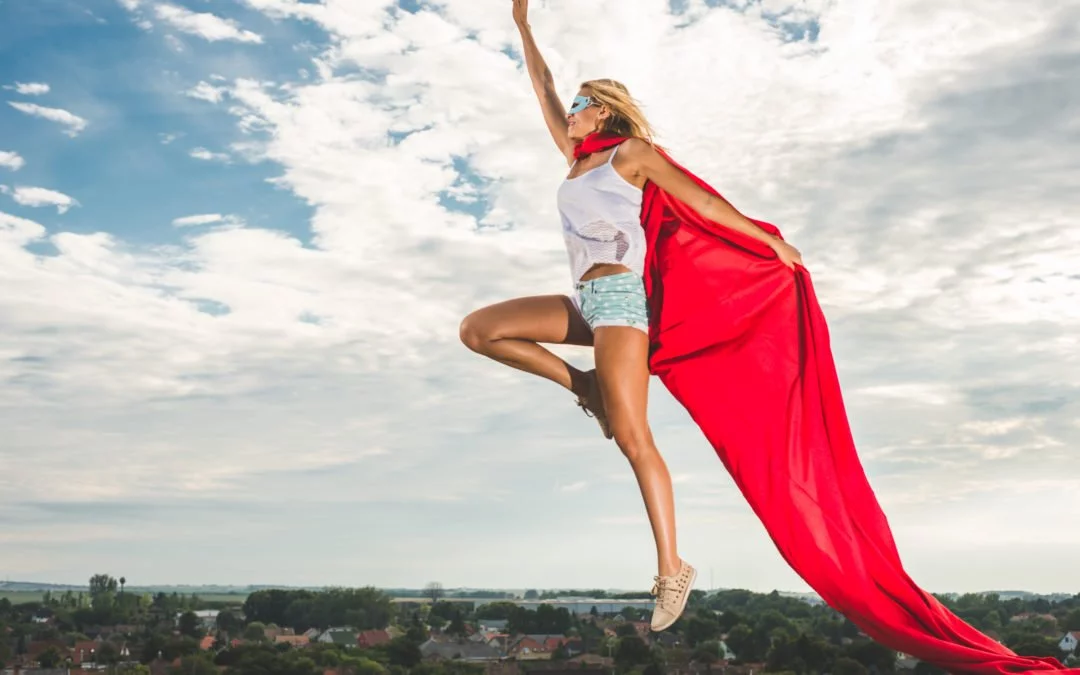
[{"x": 739, "y": 340}]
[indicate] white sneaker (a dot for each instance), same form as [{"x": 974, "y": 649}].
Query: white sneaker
[{"x": 671, "y": 596}]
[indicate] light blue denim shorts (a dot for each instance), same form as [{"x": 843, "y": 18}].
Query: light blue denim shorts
[{"x": 613, "y": 300}]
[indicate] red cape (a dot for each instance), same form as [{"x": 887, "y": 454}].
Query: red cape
[{"x": 739, "y": 340}]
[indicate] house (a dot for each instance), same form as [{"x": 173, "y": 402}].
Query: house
[
  {"x": 587, "y": 660},
  {"x": 272, "y": 632},
  {"x": 667, "y": 639},
  {"x": 906, "y": 663},
  {"x": 1031, "y": 616},
  {"x": 498, "y": 641},
  {"x": 339, "y": 636},
  {"x": 38, "y": 647},
  {"x": 294, "y": 641},
  {"x": 207, "y": 617},
  {"x": 487, "y": 625},
  {"x": 312, "y": 633},
  {"x": 460, "y": 651},
  {"x": 535, "y": 647},
  {"x": 1069, "y": 643},
  {"x": 84, "y": 651},
  {"x": 372, "y": 638}
]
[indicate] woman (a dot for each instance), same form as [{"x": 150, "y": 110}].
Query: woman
[
  {"x": 723, "y": 312},
  {"x": 600, "y": 205}
]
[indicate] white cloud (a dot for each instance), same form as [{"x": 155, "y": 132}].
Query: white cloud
[
  {"x": 208, "y": 26},
  {"x": 206, "y": 219},
  {"x": 240, "y": 361},
  {"x": 29, "y": 88},
  {"x": 130, "y": 5},
  {"x": 207, "y": 92},
  {"x": 19, "y": 231},
  {"x": 576, "y": 486},
  {"x": 36, "y": 197},
  {"x": 168, "y": 138},
  {"x": 11, "y": 160},
  {"x": 74, "y": 123},
  {"x": 175, "y": 43},
  {"x": 207, "y": 155}
]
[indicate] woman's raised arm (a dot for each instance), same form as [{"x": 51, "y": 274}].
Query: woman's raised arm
[{"x": 543, "y": 84}]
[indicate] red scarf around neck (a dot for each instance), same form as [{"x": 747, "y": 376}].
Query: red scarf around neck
[{"x": 740, "y": 341}]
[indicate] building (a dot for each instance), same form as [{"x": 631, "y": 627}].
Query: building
[
  {"x": 466, "y": 650},
  {"x": 1069, "y": 643}
]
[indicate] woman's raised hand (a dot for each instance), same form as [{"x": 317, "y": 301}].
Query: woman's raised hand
[{"x": 521, "y": 12}]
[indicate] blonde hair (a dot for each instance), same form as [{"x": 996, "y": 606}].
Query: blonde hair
[{"x": 626, "y": 118}]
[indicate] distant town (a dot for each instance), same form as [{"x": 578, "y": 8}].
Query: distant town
[{"x": 113, "y": 628}]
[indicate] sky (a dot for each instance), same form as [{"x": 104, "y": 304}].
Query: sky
[{"x": 237, "y": 238}]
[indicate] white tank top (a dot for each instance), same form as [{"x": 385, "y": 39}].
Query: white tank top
[{"x": 601, "y": 220}]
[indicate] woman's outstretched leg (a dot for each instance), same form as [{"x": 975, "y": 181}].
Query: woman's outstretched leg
[
  {"x": 622, "y": 366},
  {"x": 509, "y": 331}
]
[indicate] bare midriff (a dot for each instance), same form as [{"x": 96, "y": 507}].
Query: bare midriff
[{"x": 603, "y": 270}]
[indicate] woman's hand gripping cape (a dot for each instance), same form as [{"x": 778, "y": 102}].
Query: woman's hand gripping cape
[{"x": 739, "y": 340}]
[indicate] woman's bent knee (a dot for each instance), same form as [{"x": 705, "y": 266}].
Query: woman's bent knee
[
  {"x": 634, "y": 441},
  {"x": 473, "y": 333}
]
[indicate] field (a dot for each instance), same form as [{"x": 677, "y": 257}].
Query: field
[{"x": 17, "y": 597}]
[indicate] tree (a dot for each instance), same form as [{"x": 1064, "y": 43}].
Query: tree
[
  {"x": 740, "y": 639},
  {"x": 194, "y": 665},
  {"x": 403, "y": 652},
  {"x": 434, "y": 590},
  {"x": 701, "y": 629},
  {"x": 102, "y": 583},
  {"x": 358, "y": 665},
  {"x": 815, "y": 652},
  {"x": 1037, "y": 645},
  {"x": 696, "y": 598},
  {"x": 457, "y": 626},
  {"x": 848, "y": 666},
  {"x": 531, "y": 594},
  {"x": 228, "y": 622},
  {"x": 107, "y": 654},
  {"x": 924, "y": 668},
  {"x": 632, "y": 651},
  {"x": 782, "y": 656},
  {"x": 255, "y": 631},
  {"x": 633, "y": 613},
  {"x": 50, "y": 658},
  {"x": 443, "y": 610},
  {"x": 545, "y": 619},
  {"x": 189, "y": 625},
  {"x": 416, "y": 632},
  {"x": 272, "y": 605},
  {"x": 873, "y": 654},
  {"x": 1072, "y": 621},
  {"x": 707, "y": 653}
]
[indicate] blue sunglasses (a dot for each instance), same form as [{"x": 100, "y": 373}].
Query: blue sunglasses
[{"x": 580, "y": 103}]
